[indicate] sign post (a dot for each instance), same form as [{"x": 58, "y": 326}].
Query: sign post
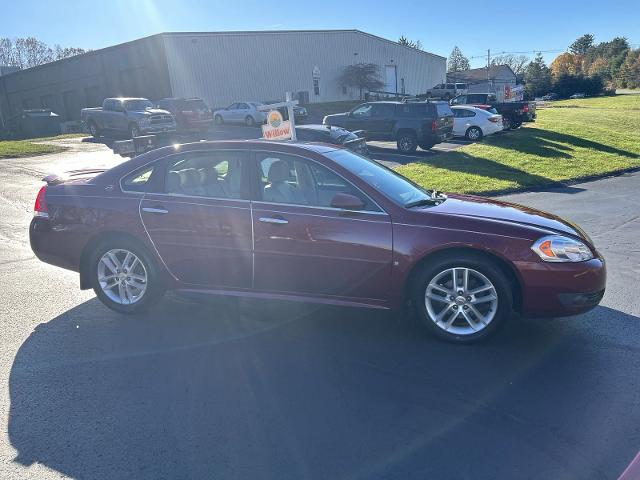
[{"x": 276, "y": 128}]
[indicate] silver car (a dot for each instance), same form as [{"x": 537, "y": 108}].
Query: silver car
[
  {"x": 241, "y": 112},
  {"x": 447, "y": 91}
]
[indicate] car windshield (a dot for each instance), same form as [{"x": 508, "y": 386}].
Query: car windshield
[
  {"x": 137, "y": 105},
  {"x": 389, "y": 183}
]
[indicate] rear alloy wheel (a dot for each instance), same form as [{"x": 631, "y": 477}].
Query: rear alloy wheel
[
  {"x": 249, "y": 121},
  {"x": 474, "y": 134},
  {"x": 463, "y": 301},
  {"x": 507, "y": 124},
  {"x": 407, "y": 142},
  {"x": 218, "y": 119},
  {"x": 124, "y": 277}
]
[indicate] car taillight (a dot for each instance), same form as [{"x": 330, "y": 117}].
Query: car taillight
[
  {"x": 525, "y": 109},
  {"x": 495, "y": 119},
  {"x": 434, "y": 126},
  {"x": 40, "y": 207}
]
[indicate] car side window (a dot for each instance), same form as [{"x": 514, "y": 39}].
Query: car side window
[
  {"x": 384, "y": 110},
  {"x": 363, "y": 111},
  {"x": 243, "y": 106},
  {"x": 462, "y": 99},
  {"x": 206, "y": 174},
  {"x": 295, "y": 180},
  {"x": 137, "y": 181}
]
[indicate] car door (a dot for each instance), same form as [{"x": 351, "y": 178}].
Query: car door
[
  {"x": 382, "y": 121},
  {"x": 229, "y": 112},
  {"x": 199, "y": 218},
  {"x": 361, "y": 118},
  {"x": 241, "y": 112},
  {"x": 304, "y": 246}
]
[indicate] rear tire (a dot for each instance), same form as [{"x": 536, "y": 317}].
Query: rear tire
[
  {"x": 516, "y": 125},
  {"x": 407, "y": 142},
  {"x": 469, "y": 316},
  {"x": 94, "y": 130},
  {"x": 249, "y": 121},
  {"x": 507, "y": 124},
  {"x": 218, "y": 120},
  {"x": 124, "y": 276},
  {"x": 473, "y": 134}
]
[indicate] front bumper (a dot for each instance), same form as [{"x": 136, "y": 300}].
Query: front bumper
[
  {"x": 157, "y": 129},
  {"x": 561, "y": 289}
]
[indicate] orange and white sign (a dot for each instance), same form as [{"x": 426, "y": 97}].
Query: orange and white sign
[{"x": 276, "y": 128}]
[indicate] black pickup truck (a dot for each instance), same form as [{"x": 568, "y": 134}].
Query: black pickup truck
[
  {"x": 409, "y": 124},
  {"x": 513, "y": 114}
]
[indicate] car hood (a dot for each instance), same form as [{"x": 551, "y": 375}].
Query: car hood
[
  {"x": 149, "y": 111},
  {"x": 482, "y": 208}
]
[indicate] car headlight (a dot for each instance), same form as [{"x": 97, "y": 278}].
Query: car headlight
[{"x": 556, "y": 248}]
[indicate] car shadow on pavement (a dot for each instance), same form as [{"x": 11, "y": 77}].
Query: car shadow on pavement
[{"x": 287, "y": 391}]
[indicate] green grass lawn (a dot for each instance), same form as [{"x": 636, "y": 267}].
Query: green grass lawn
[
  {"x": 570, "y": 139},
  {"x": 27, "y": 148}
]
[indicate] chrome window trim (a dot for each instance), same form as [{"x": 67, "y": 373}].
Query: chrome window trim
[
  {"x": 382, "y": 210},
  {"x": 333, "y": 209}
]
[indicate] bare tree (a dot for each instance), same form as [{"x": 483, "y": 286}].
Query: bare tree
[
  {"x": 364, "y": 76},
  {"x": 30, "y": 52},
  {"x": 517, "y": 63}
]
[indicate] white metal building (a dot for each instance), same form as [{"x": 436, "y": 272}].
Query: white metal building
[
  {"x": 231, "y": 66},
  {"x": 221, "y": 68}
]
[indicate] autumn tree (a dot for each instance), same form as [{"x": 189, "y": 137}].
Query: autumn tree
[
  {"x": 364, "y": 76},
  {"x": 566, "y": 64},
  {"x": 457, "y": 61}
]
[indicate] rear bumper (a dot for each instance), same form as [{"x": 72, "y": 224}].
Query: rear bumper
[
  {"x": 561, "y": 289},
  {"x": 48, "y": 247}
]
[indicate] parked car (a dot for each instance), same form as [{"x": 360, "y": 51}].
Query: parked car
[
  {"x": 446, "y": 91},
  {"x": 354, "y": 141},
  {"x": 513, "y": 113},
  {"x": 410, "y": 124},
  {"x": 313, "y": 223},
  {"x": 550, "y": 96},
  {"x": 132, "y": 116},
  {"x": 475, "y": 123},
  {"x": 190, "y": 113},
  {"x": 578, "y": 95},
  {"x": 241, "y": 112}
]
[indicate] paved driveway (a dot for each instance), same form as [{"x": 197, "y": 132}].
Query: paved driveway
[{"x": 228, "y": 390}]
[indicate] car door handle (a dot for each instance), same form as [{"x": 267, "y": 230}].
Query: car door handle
[
  {"x": 156, "y": 210},
  {"x": 275, "y": 221}
]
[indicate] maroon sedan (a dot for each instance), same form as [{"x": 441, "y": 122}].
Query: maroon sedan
[{"x": 310, "y": 222}]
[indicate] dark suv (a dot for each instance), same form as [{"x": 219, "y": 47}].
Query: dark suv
[
  {"x": 191, "y": 114},
  {"x": 410, "y": 124}
]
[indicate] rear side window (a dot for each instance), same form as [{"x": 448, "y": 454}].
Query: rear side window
[
  {"x": 443, "y": 110},
  {"x": 138, "y": 180},
  {"x": 412, "y": 110},
  {"x": 477, "y": 98}
]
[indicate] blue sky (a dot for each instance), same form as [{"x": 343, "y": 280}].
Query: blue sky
[{"x": 518, "y": 25}]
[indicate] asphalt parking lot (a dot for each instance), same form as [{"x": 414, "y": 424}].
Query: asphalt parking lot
[{"x": 250, "y": 390}]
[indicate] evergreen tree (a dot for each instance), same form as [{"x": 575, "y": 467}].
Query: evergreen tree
[{"x": 457, "y": 61}]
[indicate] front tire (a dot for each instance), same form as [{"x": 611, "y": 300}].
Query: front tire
[
  {"x": 463, "y": 299},
  {"x": 218, "y": 119},
  {"x": 134, "y": 130},
  {"x": 124, "y": 276},
  {"x": 474, "y": 134},
  {"x": 407, "y": 142}
]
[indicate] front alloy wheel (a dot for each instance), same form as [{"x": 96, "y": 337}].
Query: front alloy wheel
[{"x": 461, "y": 301}]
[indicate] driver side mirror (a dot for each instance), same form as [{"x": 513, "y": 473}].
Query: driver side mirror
[{"x": 345, "y": 201}]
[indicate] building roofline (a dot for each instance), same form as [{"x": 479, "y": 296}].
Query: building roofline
[{"x": 231, "y": 32}]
